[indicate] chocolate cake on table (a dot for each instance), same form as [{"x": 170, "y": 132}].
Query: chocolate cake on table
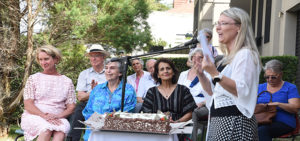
[
  {"x": 131, "y": 122},
  {"x": 137, "y": 122}
]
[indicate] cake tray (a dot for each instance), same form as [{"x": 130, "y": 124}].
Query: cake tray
[{"x": 125, "y": 131}]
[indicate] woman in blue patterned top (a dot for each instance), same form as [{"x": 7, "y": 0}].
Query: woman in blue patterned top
[
  {"x": 106, "y": 97},
  {"x": 285, "y": 95}
]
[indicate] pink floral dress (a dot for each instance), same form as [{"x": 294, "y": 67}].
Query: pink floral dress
[{"x": 51, "y": 94}]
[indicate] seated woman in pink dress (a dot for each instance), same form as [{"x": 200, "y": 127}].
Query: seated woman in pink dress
[{"x": 49, "y": 98}]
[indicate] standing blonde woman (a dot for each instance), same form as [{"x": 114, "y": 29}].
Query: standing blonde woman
[
  {"x": 233, "y": 99},
  {"x": 49, "y": 98}
]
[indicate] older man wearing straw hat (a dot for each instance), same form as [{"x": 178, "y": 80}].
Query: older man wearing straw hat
[{"x": 86, "y": 81}]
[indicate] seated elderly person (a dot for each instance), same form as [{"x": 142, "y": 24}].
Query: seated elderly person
[
  {"x": 189, "y": 79},
  {"x": 106, "y": 97},
  {"x": 139, "y": 76},
  {"x": 169, "y": 96},
  {"x": 285, "y": 95},
  {"x": 146, "y": 83},
  {"x": 140, "y": 80}
]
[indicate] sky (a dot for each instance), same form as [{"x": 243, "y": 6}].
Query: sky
[{"x": 170, "y": 26}]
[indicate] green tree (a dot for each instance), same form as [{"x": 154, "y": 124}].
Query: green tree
[
  {"x": 68, "y": 25},
  {"x": 155, "y": 5},
  {"x": 121, "y": 24}
]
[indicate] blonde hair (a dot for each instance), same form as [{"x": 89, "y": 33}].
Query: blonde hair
[
  {"x": 244, "y": 38},
  {"x": 50, "y": 50}
]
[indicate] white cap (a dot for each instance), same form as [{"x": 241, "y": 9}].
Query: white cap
[{"x": 97, "y": 48}]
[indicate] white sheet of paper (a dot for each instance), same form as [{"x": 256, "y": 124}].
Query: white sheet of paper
[
  {"x": 180, "y": 127},
  {"x": 202, "y": 39}
]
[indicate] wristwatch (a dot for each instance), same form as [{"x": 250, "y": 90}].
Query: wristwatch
[{"x": 218, "y": 78}]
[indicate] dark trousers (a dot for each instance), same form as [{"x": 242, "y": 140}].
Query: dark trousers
[
  {"x": 276, "y": 129},
  {"x": 199, "y": 117},
  {"x": 75, "y": 134}
]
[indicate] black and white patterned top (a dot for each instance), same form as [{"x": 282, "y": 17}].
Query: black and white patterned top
[{"x": 178, "y": 104}]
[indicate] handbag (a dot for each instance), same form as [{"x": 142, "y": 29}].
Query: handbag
[{"x": 264, "y": 113}]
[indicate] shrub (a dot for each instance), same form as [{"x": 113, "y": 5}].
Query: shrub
[{"x": 289, "y": 67}]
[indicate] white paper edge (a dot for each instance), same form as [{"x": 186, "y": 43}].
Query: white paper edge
[{"x": 206, "y": 52}]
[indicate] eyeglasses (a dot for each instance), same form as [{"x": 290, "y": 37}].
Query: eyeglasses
[
  {"x": 270, "y": 77},
  {"x": 224, "y": 23}
]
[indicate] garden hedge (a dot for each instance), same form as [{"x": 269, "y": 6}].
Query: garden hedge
[{"x": 289, "y": 66}]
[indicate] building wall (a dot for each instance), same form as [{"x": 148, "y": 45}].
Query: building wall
[
  {"x": 272, "y": 47},
  {"x": 179, "y": 3},
  {"x": 283, "y": 22},
  {"x": 282, "y": 31}
]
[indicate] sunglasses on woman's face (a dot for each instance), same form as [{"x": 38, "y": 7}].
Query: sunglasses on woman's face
[{"x": 270, "y": 77}]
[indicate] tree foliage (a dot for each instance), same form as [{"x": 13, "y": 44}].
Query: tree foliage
[
  {"x": 68, "y": 25},
  {"x": 121, "y": 24},
  {"x": 155, "y": 5}
]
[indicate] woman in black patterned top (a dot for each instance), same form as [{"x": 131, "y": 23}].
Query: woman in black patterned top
[{"x": 169, "y": 96}]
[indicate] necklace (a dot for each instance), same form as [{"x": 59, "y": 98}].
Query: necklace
[
  {"x": 166, "y": 92},
  {"x": 167, "y": 96}
]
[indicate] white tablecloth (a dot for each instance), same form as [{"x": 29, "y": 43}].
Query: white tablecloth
[{"x": 129, "y": 136}]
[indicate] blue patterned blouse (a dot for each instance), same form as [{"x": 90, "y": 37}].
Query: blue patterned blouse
[{"x": 103, "y": 101}]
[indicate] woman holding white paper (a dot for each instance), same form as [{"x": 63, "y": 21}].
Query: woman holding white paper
[{"x": 233, "y": 98}]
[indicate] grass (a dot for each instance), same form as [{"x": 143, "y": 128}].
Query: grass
[{"x": 12, "y": 135}]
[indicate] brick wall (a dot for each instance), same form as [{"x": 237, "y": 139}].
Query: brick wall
[{"x": 179, "y": 3}]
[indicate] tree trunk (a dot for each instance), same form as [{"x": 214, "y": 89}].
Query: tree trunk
[
  {"x": 29, "y": 51},
  {"x": 10, "y": 36}
]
